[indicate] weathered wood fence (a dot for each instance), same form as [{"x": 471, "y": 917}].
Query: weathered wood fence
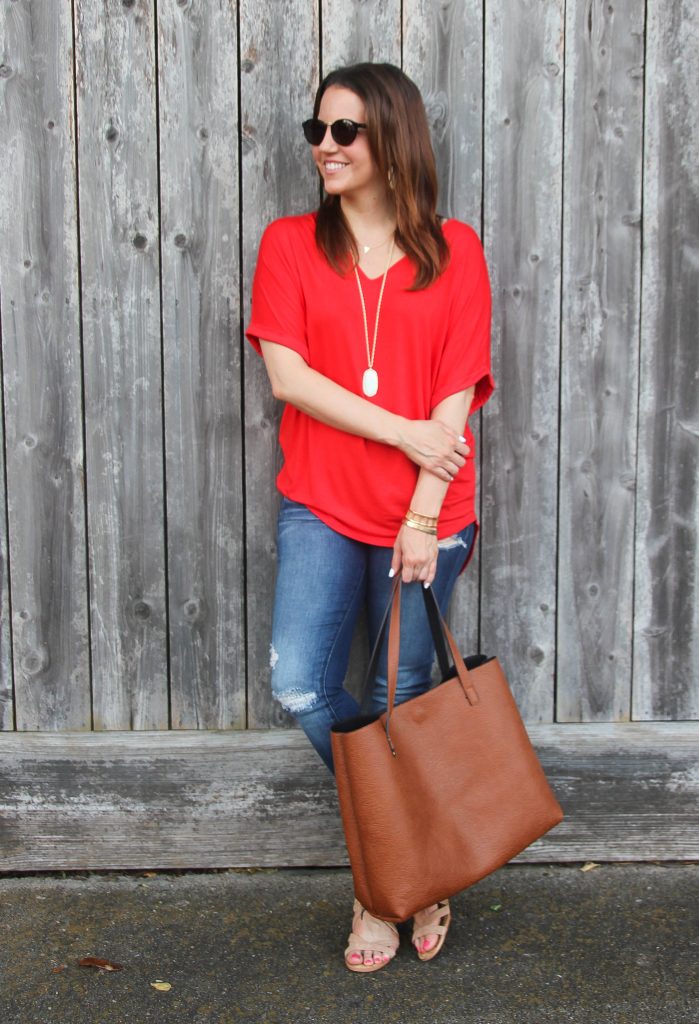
[{"x": 145, "y": 145}]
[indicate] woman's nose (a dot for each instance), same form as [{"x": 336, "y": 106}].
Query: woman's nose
[{"x": 328, "y": 143}]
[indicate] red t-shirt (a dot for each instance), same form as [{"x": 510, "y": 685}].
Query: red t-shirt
[{"x": 431, "y": 344}]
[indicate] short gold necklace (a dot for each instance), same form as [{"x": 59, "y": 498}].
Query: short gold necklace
[
  {"x": 370, "y": 378},
  {"x": 367, "y": 248}
]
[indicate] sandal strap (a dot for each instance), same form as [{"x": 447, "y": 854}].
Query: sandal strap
[
  {"x": 369, "y": 932},
  {"x": 428, "y": 923}
]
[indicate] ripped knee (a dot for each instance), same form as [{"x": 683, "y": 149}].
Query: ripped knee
[
  {"x": 292, "y": 697},
  {"x": 296, "y": 700}
]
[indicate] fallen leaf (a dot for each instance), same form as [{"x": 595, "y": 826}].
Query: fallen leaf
[
  {"x": 590, "y": 866},
  {"x": 496, "y": 906},
  {"x": 162, "y": 986},
  {"x": 96, "y": 961},
  {"x": 57, "y": 970},
  {"x": 150, "y": 874}
]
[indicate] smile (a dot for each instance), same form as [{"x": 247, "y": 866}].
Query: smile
[{"x": 333, "y": 166}]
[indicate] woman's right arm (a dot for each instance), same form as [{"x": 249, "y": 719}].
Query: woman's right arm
[{"x": 430, "y": 444}]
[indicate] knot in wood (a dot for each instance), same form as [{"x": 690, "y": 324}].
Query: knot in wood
[
  {"x": 536, "y": 655},
  {"x": 33, "y": 663},
  {"x": 140, "y": 242},
  {"x": 142, "y": 610}
]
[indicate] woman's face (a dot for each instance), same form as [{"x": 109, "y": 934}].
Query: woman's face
[{"x": 346, "y": 170}]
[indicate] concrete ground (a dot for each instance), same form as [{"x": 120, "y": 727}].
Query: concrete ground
[{"x": 618, "y": 944}]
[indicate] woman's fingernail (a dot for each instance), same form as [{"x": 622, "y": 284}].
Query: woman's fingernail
[
  {"x": 391, "y": 573},
  {"x": 426, "y": 585},
  {"x": 463, "y": 440}
]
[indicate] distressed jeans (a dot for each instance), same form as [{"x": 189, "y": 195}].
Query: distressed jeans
[{"x": 323, "y": 581}]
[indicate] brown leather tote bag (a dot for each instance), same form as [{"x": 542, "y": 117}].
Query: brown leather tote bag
[{"x": 439, "y": 791}]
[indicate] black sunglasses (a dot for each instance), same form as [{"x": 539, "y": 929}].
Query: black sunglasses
[{"x": 344, "y": 131}]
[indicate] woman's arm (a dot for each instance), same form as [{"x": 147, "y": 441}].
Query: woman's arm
[
  {"x": 415, "y": 552},
  {"x": 432, "y": 444}
]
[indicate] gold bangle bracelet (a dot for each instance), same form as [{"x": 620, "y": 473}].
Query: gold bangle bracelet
[
  {"x": 418, "y": 517},
  {"x": 432, "y": 530}
]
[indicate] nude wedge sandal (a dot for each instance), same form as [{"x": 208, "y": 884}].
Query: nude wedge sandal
[
  {"x": 370, "y": 932},
  {"x": 434, "y": 921}
]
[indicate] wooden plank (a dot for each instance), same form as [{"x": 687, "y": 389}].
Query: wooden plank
[
  {"x": 198, "y": 114},
  {"x": 360, "y": 30},
  {"x": 522, "y": 177},
  {"x": 123, "y": 390},
  {"x": 599, "y": 360},
  {"x": 443, "y": 54},
  {"x": 279, "y": 76},
  {"x": 7, "y": 696},
  {"x": 42, "y": 376},
  {"x": 666, "y": 649},
  {"x": 78, "y": 801}
]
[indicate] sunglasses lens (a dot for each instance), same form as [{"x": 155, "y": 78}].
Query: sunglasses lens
[
  {"x": 344, "y": 132},
  {"x": 314, "y": 130}
]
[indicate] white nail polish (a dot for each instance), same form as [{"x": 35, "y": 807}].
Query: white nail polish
[
  {"x": 391, "y": 573},
  {"x": 463, "y": 440},
  {"x": 426, "y": 585}
]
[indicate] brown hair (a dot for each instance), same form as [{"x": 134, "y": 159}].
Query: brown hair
[{"x": 399, "y": 139}]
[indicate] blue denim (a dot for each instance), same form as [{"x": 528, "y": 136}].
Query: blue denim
[{"x": 323, "y": 580}]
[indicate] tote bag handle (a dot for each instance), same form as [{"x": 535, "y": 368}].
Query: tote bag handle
[{"x": 442, "y": 638}]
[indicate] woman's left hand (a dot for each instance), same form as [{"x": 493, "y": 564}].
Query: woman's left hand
[{"x": 415, "y": 553}]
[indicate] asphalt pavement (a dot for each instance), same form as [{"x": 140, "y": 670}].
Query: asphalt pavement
[{"x": 614, "y": 944}]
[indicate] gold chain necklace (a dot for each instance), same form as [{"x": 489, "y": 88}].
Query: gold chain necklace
[
  {"x": 370, "y": 378},
  {"x": 367, "y": 248}
]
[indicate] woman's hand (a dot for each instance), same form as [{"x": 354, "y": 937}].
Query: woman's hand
[
  {"x": 415, "y": 553},
  {"x": 433, "y": 445}
]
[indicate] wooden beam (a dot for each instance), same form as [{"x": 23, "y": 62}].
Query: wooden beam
[
  {"x": 599, "y": 361},
  {"x": 44, "y": 578},
  {"x": 196, "y": 799},
  {"x": 198, "y": 116}
]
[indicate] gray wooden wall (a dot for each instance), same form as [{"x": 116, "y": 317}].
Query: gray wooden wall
[{"x": 144, "y": 148}]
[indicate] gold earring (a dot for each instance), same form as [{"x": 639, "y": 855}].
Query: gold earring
[{"x": 391, "y": 178}]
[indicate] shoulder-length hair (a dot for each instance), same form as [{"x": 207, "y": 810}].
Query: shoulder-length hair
[{"x": 399, "y": 140}]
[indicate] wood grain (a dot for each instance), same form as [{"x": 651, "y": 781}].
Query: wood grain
[
  {"x": 443, "y": 54},
  {"x": 360, "y": 30},
  {"x": 199, "y": 202},
  {"x": 666, "y": 631},
  {"x": 523, "y": 162},
  {"x": 235, "y": 799},
  {"x": 7, "y": 696},
  {"x": 42, "y": 378},
  {"x": 118, "y": 190},
  {"x": 279, "y": 77},
  {"x": 599, "y": 358}
]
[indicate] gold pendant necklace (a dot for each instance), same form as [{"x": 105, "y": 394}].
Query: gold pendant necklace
[
  {"x": 367, "y": 248},
  {"x": 370, "y": 378}
]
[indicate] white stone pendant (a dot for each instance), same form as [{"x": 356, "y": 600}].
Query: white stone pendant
[{"x": 370, "y": 382}]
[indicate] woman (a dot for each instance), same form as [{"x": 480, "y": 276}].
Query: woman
[{"x": 373, "y": 318}]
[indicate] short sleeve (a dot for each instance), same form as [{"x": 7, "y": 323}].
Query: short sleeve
[
  {"x": 465, "y": 358},
  {"x": 278, "y": 303}
]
